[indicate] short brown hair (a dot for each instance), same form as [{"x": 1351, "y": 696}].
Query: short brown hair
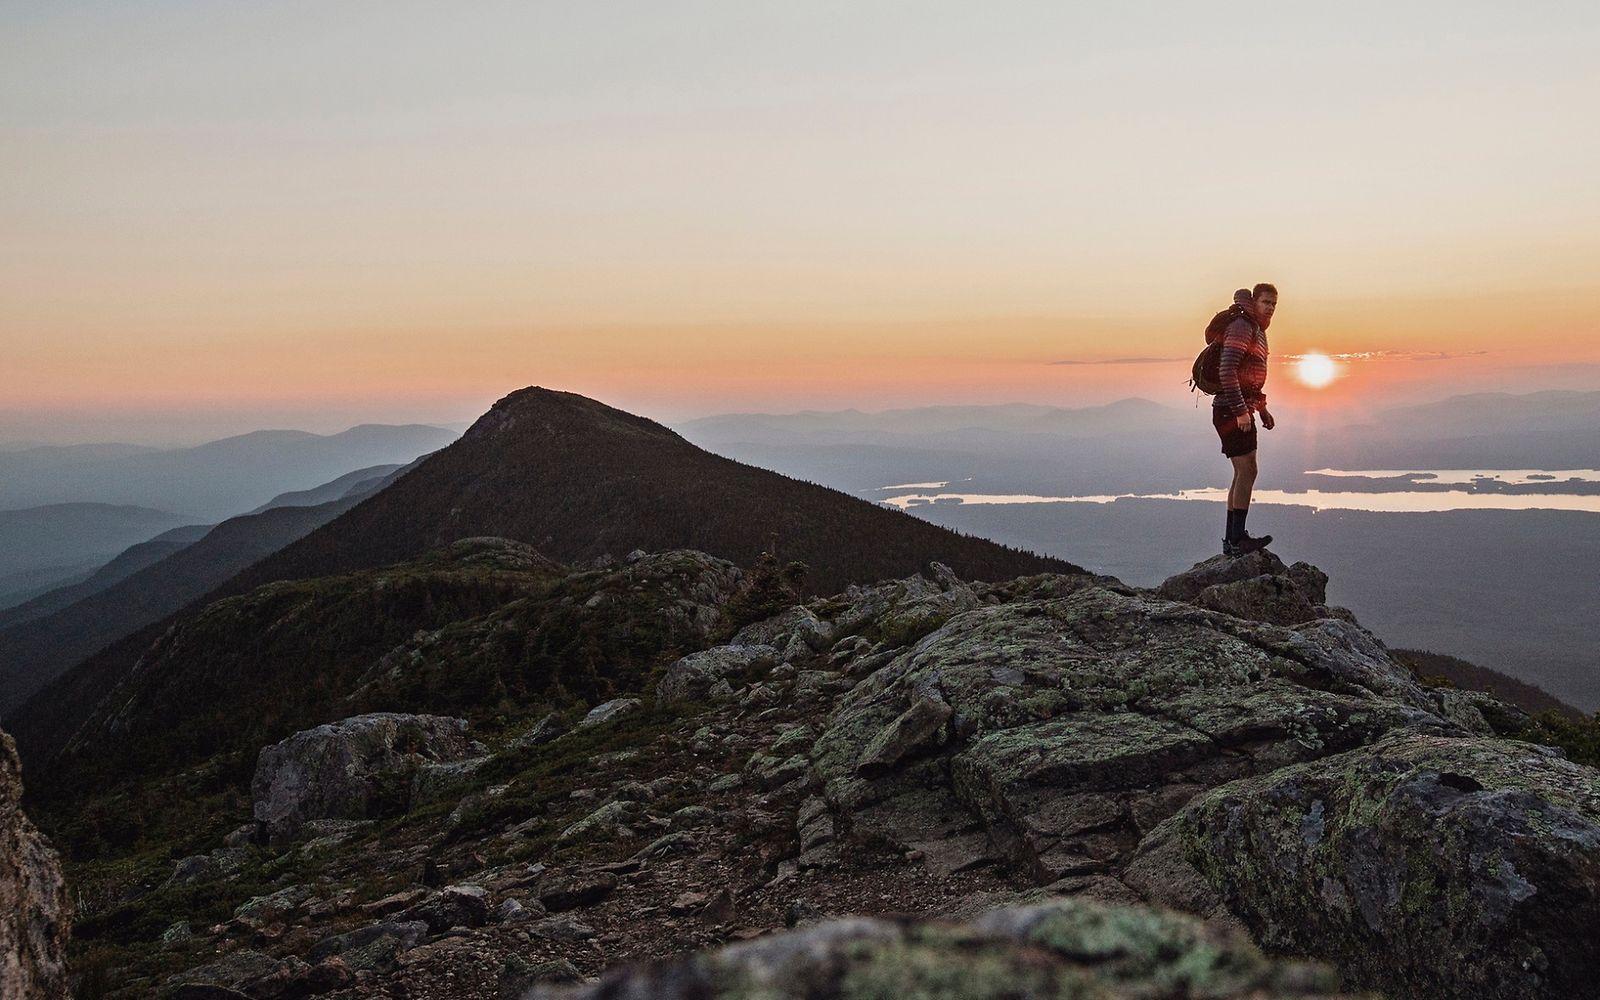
[{"x": 1262, "y": 289}]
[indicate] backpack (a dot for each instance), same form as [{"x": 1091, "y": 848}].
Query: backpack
[{"x": 1205, "y": 375}]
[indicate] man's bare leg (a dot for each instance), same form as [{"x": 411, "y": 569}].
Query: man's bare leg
[
  {"x": 1239, "y": 540},
  {"x": 1244, "y": 481}
]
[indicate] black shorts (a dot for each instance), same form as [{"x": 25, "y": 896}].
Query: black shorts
[{"x": 1234, "y": 441}]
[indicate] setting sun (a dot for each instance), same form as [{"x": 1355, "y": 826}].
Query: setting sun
[{"x": 1315, "y": 370}]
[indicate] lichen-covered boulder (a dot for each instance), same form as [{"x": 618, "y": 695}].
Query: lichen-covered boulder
[
  {"x": 609, "y": 711},
  {"x": 222, "y": 863},
  {"x": 463, "y": 905},
  {"x": 1463, "y": 711},
  {"x": 1313, "y": 582},
  {"x": 916, "y": 729},
  {"x": 224, "y": 977},
  {"x": 494, "y": 552},
  {"x": 913, "y": 615},
  {"x": 1071, "y": 949},
  {"x": 690, "y": 588},
  {"x": 1071, "y": 726},
  {"x": 35, "y": 913},
  {"x": 1482, "y": 712},
  {"x": 1427, "y": 866},
  {"x": 608, "y": 821},
  {"x": 1218, "y": 570},
  {"x": 898, "y": 612},
  {"x": 549, "y": 727},
  {"x": 1273, "y": 599},
  {"x": 274, "y": 906},
  {"x": 352, "y": 769},
  {"x": 797, "y": 628},
  {"x": 1257, "y": 586},
  {"x": 372, "y": 946},
  {"x": 710, "y": 673},
  {"x": 437, "y": 780}
]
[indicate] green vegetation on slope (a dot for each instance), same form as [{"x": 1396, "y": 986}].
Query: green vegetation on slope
[{"x": 1551, "y": 721}]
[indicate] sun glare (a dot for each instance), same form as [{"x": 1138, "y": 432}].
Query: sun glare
[{"x": 1316, "y": 370}]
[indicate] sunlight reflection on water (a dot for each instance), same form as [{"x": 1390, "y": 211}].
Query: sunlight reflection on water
[
  {"x": 1396, "y": 502},
  {"x": 1515, "y": 477}
]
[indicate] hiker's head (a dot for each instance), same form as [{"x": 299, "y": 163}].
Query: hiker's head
[{"x": 1265, "y": 299}]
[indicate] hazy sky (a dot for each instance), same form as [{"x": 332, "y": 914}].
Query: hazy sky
[{"x": 217, "y": 215}]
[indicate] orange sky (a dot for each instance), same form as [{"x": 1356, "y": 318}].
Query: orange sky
[
  {"x": 403, "y": 213},
  {"x": 741, "y": 365}
]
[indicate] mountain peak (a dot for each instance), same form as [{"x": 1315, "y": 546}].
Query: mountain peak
[
  {"x": 539, "y": 410},
  {"x": 579, "y": 479}
]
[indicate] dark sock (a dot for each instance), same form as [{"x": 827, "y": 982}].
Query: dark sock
[
  {"x": 1234, "y": 525},
  {"x": 1242, "y": 514}
]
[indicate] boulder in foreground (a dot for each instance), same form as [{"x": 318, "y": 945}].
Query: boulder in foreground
[
  {"x": 1422, "y": 865},
  {"x": 34, "y": 910},
  {"x": 1069, "y": 948}
]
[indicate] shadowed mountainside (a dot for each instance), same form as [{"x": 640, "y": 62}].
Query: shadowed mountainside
[
  {"x": 351, "y": 483},
  {"x": 126, "y": 563},
  {"x": 579, "y": 479},
  {"x": 1441, "y": 670},
  {"x": 35, "y": 651}
]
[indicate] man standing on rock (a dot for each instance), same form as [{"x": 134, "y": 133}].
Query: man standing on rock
[{"x": 1242, "y": 372}]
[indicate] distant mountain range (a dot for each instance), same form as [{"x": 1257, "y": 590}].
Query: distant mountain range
[
  {"x": 1540, "y": 430},
  {"x": 137, "y": 557},
  {"x": 121, "y": 566},
  {"x": 43, "y": 546},
  {"x": 1136, "y": 445},
  {"x": 211, "y": 481},
  {"x": 571, "y": 476},
  {"x": 44, "y": 636},
  {"x": 359, "y": 481},
  {"x": 1133, "y": 444},
  {"x": 1021, "y": 418}
]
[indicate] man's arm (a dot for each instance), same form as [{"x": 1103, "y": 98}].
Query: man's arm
[{"x": 1235, "y": 345}]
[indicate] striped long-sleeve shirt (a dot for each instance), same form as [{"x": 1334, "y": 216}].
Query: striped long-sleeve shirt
[{"x": 1242, "y": 369}]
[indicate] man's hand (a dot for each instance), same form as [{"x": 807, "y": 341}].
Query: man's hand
[
  {"x": 1245, "y": 420},
  {"x": 1266, "y": 419}
]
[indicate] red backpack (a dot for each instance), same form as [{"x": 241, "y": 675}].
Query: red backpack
[{"x": 1205, "y": 376}]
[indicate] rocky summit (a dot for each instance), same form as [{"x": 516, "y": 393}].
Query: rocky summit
[{"x": 670, "y": 777}]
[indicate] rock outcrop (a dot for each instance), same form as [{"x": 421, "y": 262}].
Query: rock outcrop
[
  {"x": 1061, "y": 728},
  {"x": 1071, "y": 725},
  {"x": 1424, "y": 865},
  {"x": 608, "y": 712},
  {"x": 1257, "y": 586},
  {"x": 711, "y": 673},
  {"x": 1065, "y": 950},
  {"x": 35, "y": 913},
  {"x": 352, "y": 769}
]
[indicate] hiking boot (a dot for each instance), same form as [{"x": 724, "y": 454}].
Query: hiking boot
[
  {"x": 1246, "y": 544},
  {"x": 1229, "y": 549}
]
